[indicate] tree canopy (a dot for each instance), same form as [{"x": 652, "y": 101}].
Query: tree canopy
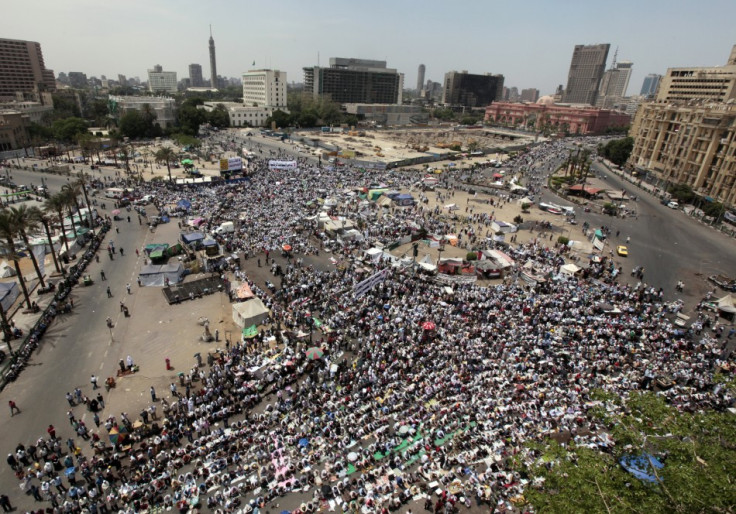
[
  {"x": 68, "y": 129},
  {"x": 618, "y": 150}
]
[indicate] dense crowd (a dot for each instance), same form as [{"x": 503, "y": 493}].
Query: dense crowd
[{"x": 423, "y": 392}]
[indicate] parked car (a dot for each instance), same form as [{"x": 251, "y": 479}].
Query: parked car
[{"x": 622, "y": 251}]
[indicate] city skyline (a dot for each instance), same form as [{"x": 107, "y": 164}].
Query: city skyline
[{"x": 492, "y": 40}]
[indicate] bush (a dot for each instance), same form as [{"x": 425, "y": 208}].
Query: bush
[
  {"x": 563, "y": 240},
  {"x": 471, "y": 256},
  {"x": 518, "y": 219}
]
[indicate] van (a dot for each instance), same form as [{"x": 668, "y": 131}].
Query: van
[{"x": 226, "y": 227}]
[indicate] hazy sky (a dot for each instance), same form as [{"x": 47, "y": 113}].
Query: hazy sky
[{"x": 530, "y": 42}]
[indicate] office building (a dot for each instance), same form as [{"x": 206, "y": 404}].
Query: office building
[
  {"x": 160, "y": 81},
  {"x": 243, "y": 115},
  {"x": 614, "y": 84},
  {"x": 693, "y": 144},
  {"x": 469, "y": 90},
  {"x": 163, "y": 108},
  {"x": 650, "y": 84},
  {"x": 586, "y": 71},
  {"x": 265, "y": 88},
  {"x": 556, "y": 118},
  {"x": 420, "y": 77},
  {"x": 22, "y": 69},
  {"x": 195, "y": 75},
  {"x": 354, "y": 81},
  {"x": 712, "y": 84},
  {"x": 213, "y": 62},
  {"x": 530, "y": 95}
]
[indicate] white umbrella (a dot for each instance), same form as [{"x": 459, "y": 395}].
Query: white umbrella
[{"x": 352, "y": 456}]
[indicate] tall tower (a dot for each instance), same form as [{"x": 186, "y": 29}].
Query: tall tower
[
  {"x": 213, "y": 62},
  {"x": 586, "y": 71},
  {"x": 420, "y": 77}
]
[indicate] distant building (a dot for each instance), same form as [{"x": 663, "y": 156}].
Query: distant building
[
  {"x": 650, "y": 84},
  {"x": 213, "y": 63},
  {"x": 162, "y": 107},
  {"x": 195, "y": 75},
  {"x": 714, "y": 84},
  {"x": 122, "y": 80},
  {"x": 35, "y": 111},
  {"x": 78, "y": 80},
  {"x": 574, "y": 120},
  {"x": 614, "y": 84},
  {"x": 354, "y": 81},
  {"x": 530, "y": 95},
  {"x": 469, "y": 90},
  {"x": 242, "y": 115},
  {"x": 13, "y": 130},
  {"x": 420, "y": 77},
  {"x": 389, "y": 114},
  {"x": 265, "y": 88},
  {"x": 586, "y": 71},
  {"x": 160, "y": 81},
  {"x": 22, "y": 69}
]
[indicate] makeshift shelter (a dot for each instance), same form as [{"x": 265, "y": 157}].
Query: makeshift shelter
[
  {"x": 6, "y": 270},
  {"x": 156, "y": 275},
  {"x": 502, "y": 226},
  {"x": 726, "y": 306},
  {"x": 569, "y": 269},
  {"x": 192, "y": 237},
  {"x": 8, "y": 294},
  {"x": 242, "y": 291},
  {"x": 373, "y": 254},
  {"x": 250, "y": 312}
]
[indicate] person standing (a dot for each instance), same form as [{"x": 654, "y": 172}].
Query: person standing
[
  {"x": 127, "y": 286},
  {"x": 129, "y": 360},
  {"x": 100, "y": 400},
  {"x": 102, "y": 275},
  {"x": 13, "y": 408},
  {"x": 93, "y": 381},
  {"x": 109, "y": 293},
  {"x": 153, "y": 394},
  {"x": 5, "y": 502}
]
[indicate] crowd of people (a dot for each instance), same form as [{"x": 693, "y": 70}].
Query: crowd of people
[{"x": 414, "y": 395}]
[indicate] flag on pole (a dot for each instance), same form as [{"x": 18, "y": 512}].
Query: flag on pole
[{"x": 250, "y": 332}]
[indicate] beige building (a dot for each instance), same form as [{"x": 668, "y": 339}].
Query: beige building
[
  {"x": 690, "y": 144},
  {"x": 265, "y": 88},
  {"x": 717, "y": 84},
  {"x": 13, "y": 130}
]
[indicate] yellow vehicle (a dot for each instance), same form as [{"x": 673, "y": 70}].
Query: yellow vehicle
[{"x": 622, "y": 251}]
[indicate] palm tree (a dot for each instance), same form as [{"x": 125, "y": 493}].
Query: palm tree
[
  {"x": 26, "y": 220},
  {"x": 44, "y": 219},
  {"x": 56, "y": 204},
  {"x": 70, "y": 193},
  {"x": 166, "y": 154},
  {"x": 8, "y": 231},
  {"x": 81, "y": 183}
]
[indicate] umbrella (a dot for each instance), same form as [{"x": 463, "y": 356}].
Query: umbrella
[
  {"x": 404, "y": 429},
  {"x": 115, "y": 212},
  {"x": 303, "y": 442},
  {"x": 429, "y": 325},
  {"x": 314, "y": 353},
  {"x": 286, "y": 248},
  {"x": 352, "y": 456},
  {"x": 70, "y": 471},
  {"x": 117, "y": 434}
]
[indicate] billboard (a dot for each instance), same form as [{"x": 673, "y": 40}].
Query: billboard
[
  {"x": 281, "y": 165},
  {"x": 231, "y": 164}
]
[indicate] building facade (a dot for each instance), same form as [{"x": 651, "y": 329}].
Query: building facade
[
  {"x": 650, "y": 85},
  {"x": 469, "y": 90},
  {"x": 195, "y": 75},
  {"x": 420, "y": 77},
  {"x": 530, "y": 95},
  {"x": 13, "y": 130},
  {"x": 160, "y": 81},
  {"x": 614, "y": 84},
  {"x": 574, "y": 120},
  {"x": 242, "y": 115},
  {"x": 22, "y": 69},
  {"x": 586, "y": 71},
  {"x": 354, "y": 81},
  {"x": 163, "y": 108},
  {"x": 265, "y": 88},
  {"x": 715, "y": 84},
  {"x": 688, "y": 144},
  {"x": 35, "y": 111}
]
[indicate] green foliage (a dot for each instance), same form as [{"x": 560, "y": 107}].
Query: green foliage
[
  {"x": 39, "y": 132},
  {"x": 190, "y": 117},
  {"x": 610, "y": 208},
  {"x": 280, "y": 118},
  {"x": 618, "y": 150},
  {"x": 470, "y": 119},
  {"x": 97, "y": 111},
  {"x": 443, "y": 114},
  {"x": 219, "y": 117},
  {"x": 682, "y": 192},
  {"x": 714, "y": 209},
  {"x": 518, "y": 219},
  {"x": 186, "y": 140},
  {"x": 456, "y": 148},
  {"x": 563, "y": 240},
  {"x": 68, "y": 129},
  {"x": 65, "y": 106},
  {"x": 132, "y": 125},
  {"x": 471, "y": 256}
]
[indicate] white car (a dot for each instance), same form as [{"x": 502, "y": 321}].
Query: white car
[{"x": 673, "y": 205}]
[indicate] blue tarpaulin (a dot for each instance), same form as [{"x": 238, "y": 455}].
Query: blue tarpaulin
[
  {"x": 641, "y": 466},
  {"x": 184, "y": 204},
  {"x": 192, "y": 237}
]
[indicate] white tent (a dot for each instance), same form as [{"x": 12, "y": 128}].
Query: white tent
[
  {"x": 373, "y": 254},
  {"x": 6, "y": 270},
  {"x": 727, "y": 304},
  {"x": 8, "y": 294},
  {"x": 569, "y": 269},
  {"x": 155, "y": 275},
  {"x": 248, "y": 313}
]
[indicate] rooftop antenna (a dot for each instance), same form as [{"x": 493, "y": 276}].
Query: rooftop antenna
[
  {"x": 210, "y": 30},
  {"x": 615, "y": 56}
]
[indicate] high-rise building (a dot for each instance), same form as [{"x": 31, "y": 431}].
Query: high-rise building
[
  {"x": 469, "y": 90},
  {"x": 650, "y": 84},
  {"x": 420, "y": 77},
  {"x": 78, "y": 80},
  {"x": 530, "y": 95},
  {"x": 22, "y": 69},
  {"x": 586, "y": 71},
  {"x": 614, "y": 84},
  {"x": 714, "y": 84},
  {"x": 354, "y": 81},
  {"x": 264, "y": 88},
  {"x": 122, "y": 80},
  {"x": 195, "y": 75},
  {"x": 213, "y": 62},
  {"x": 160, "y": 81}
]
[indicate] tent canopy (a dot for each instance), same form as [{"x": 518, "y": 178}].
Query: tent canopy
[
  {"x": 569, "y": 269},
  {"x": 8, "y": 294},
  {"x": 250, "y": 312},
  {"x": 6, "y": 270},
  {"x": 727, "y": 304},
  {"x": 192, "y": 237},
  {"x": 155, "y": 275}
]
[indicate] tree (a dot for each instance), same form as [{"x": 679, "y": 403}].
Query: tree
[
  {"x": 618, "y": 150},
  {"x": 682, "y": 192},
  {"x": 167, "y": 155},
  {"x": 8, "y": 232},
  {"x": 26, "y": 219},
  {"x": 70, "y": 193},
  {"x": 56, "y": 205},
  {"x": 68, "y": 129},
  {"x": 44, "y": 219},
  {"x": 219, "y": 117},
  {"x": 132, "y": 124},
  {"x": 280, "y": 118},
  {"x": 697, "y": 451}
]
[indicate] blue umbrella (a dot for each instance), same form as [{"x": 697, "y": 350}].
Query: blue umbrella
[{"x": 303, "y": 442}]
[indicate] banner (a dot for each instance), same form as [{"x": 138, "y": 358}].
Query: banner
[
  {"x": 366, "y": 285},
  {"x": 231, "y": 164},
  {"x": 39, "y": 252},
  {"x": 281, "y": 165}
]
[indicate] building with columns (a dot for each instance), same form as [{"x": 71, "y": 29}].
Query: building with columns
[{"x": 574, "y": 120}]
